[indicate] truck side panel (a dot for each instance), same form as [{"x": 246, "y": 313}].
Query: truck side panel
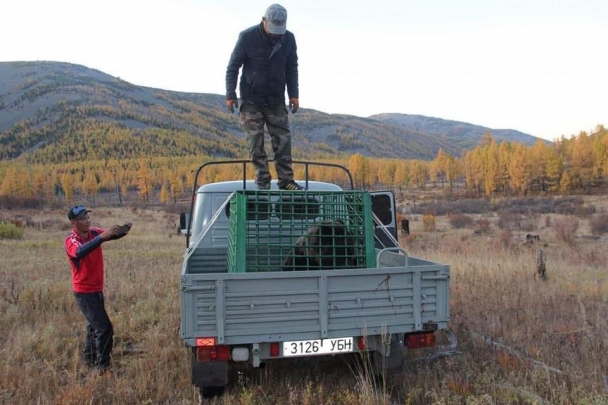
[
  {"x": 207, "y": 260},
  {"x": 267, "y": 307}
]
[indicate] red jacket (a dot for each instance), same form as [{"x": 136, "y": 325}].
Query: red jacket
[{"x": 86, "y": 260}]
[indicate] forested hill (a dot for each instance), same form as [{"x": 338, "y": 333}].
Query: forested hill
[
  {"x": 54, "y": 112},
  {"x": 456, "y": 133}
]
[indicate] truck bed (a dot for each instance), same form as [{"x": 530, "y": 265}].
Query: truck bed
[{"x": 402, "y": 295}]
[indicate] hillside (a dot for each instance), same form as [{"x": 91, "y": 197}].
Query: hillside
[
  {"x": 53, "y": 112},
  {"x": 460, "y": 134}
]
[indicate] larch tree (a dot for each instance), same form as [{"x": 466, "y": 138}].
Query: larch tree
[
  {"x": 360, "y": 169},
  {"x": 438, "y": 167},
  {"x": 504, "y": 159},
  {"x": 176, "y": 187},
  {"x": 491, "y": 168},
  {"x": 67, "y": 184},
  {"x": 581, "y": 161},
  {"x": 89, "y": 184},
  {"x": 565, "y": 184},
  {"x": 538, "y": 168},
  {"x": 144, "y": 181},
  {"x": 519, "y": 170},
  {"x": 9, "y": 183},
  {"x": 554, "y": 169},
  {"x": 164, "y": 194}
]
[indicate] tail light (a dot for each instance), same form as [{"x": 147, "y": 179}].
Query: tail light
[
  {"x": 274, "y": 349},
  {"x": 362, "y": 343},
  {"x": 420, "y": 340},
  {"x": 207, "y": 350}
]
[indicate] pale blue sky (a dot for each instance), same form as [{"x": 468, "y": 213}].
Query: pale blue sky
[{"x": 537, "y": 66}]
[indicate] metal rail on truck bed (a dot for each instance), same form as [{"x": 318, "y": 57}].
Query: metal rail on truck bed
[{"x": 244, "y": 164}]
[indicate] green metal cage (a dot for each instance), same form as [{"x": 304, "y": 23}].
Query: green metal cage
[{"x": 309, "y": 230}]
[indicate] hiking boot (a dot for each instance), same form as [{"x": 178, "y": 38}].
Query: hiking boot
[
  {"x": 291, "y": 186},
  {"x": 264, "y": 186}
]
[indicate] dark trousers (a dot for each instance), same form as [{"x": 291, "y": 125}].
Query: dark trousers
[{"x": 99, "y": 340}]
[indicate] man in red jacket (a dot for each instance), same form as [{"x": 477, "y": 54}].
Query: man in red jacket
[{"x": 83, "y": 249}]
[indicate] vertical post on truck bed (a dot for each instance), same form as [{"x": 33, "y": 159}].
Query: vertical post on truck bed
[
  {"x": 323, "y": 305},
  {"x": 219, "y": 310}
]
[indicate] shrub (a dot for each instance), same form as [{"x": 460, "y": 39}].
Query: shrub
[
  {"x": 599, "y": 224},
  {"x": 428, "y": 222},
  {"x": 10, "y": 202},
  {"x": 10, "y": 231},
  {"x": 468, "y": 206},
  {"x": 460, "y": 221}
]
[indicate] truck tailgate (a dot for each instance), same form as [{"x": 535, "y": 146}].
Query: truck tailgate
[{"x": 281, "y": 306}]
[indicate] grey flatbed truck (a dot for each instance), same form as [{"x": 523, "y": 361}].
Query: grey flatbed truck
[{"x": 272, "y": 274}]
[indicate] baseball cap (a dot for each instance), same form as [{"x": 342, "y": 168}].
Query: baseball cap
[
  {"x": 77, "y": 212},
  {"x": 276, "y": 19}
]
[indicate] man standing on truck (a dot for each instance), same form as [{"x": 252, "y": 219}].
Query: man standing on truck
[
  {"x": 83, "y": 249},
  {"x": 268, "y": 54}
]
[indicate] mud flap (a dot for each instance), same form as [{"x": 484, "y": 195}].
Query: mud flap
[
  {"x": 209, "y": 374},
  {"x": 393, "y": 360}
]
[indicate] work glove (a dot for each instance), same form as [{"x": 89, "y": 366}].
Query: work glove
[
  {"x": 232, "y": 104},
  {"x": 294, "y": 104}
]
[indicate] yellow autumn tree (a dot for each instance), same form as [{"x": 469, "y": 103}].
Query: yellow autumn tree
[
  {"x": 565, "y": 184},
  {"x": 519, "y": 169},
  {"x": 164, "y": 194},
  {"x": 474, "y": 171},
  {"x": 553, "y": 169},
  {"x": 176, "y": 187},
  {"x": 491, "y": 167},
  {"x": 8, "y": 186},
  {"x": 68, "y": 187},
  {"x": 538, "y": 169},
  {"x": 144, "y": 181},
  {"x": 420, "y": 174},
  {"x": 581, "y": 161},
  {"x": 89, "y": 184},
  {"x": 402, "y": 173},
  {"x": 438, "y": 167},
  {"x": 360, "y": 169}
]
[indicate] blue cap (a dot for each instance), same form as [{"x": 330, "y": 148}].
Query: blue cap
[{"x": 77, "y": 212}]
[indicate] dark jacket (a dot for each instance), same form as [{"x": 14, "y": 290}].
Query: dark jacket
[{"x": 268, "y": 65}]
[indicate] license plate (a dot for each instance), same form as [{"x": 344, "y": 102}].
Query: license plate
[{"x": 316, "y": 347}]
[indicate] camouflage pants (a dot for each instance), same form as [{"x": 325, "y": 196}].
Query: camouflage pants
[{"x": 253, "y": 118}]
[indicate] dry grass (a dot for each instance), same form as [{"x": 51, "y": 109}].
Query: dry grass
[{"x": 523, "y": 341}]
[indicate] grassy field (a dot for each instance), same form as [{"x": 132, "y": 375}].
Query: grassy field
[{"x": 522, "y": 340}]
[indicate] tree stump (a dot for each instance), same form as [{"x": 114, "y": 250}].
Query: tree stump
[{"x": 541, "y": 269}]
